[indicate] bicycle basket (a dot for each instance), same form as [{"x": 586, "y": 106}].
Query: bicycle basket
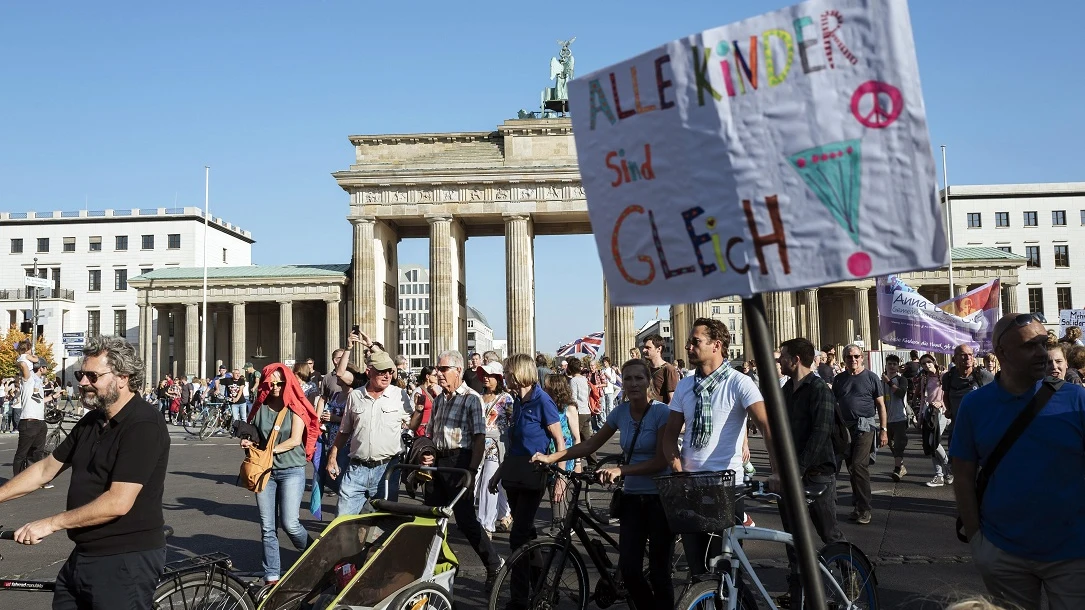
[{"x": 698, "y": 502}]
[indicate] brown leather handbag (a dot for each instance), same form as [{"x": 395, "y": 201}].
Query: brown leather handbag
[{"x": 256, "y": 469}]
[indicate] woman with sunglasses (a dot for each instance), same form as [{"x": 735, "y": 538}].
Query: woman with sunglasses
[
  {"x": 641, "y": 422},
  {"x": 294, "y": 446}
]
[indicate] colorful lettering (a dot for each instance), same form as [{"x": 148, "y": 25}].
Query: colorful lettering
[
  {"x": 770, "y": 63},
  {"x": 598, "y": 101},
  {"x": 698, "y": 239},
  {"x": 661, "y": 83},
  {"x": 636, "y": 94},
  {"x": 700, "y": 72},
  {"x": 804, "y": 44},
  {"x": 622, "y": 114},
  {"x": 725, "y": 67},
  {"x": 611, "y": 166},
  {"x": 827, "y": 35},
  {"x": 616, "y": 251},
  {"x": 731, "y": 243},
  {"x": 719, "y": 253},
  {"x": 751, "y": 68},
  {"x": 777, "y": 236},
  {"x": 667, "y": 271}
]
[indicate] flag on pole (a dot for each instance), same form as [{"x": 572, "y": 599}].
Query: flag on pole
[{"x": 588, "y": 346}]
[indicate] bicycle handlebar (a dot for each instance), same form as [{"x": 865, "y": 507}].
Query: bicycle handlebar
[{"x": 7, "y": 534}]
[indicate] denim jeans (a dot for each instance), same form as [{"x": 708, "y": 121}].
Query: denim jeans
[
  {"x": 283, "y": 496},
  {"x": 239, "y": 411},
  {"x": 360, "y": 484}
]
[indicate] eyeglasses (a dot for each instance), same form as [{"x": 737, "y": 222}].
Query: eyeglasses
[
  {"x": 853, "y": 356},
  {"x": 445, "y": 369},
  {"x": 276, "y": 384},
  {"x": 384, "y": 372},
  {"x": 91, "y": 376},
  {"x": 1021, "y": 320}
]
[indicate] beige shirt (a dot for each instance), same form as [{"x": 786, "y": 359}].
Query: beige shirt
[{"x": 375, "y": 424}]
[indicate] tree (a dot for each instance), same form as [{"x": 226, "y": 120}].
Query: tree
[{"x": 8, "y": 368}]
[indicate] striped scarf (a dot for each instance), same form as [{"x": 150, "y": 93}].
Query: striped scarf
[{"x": 702, "y": 417}]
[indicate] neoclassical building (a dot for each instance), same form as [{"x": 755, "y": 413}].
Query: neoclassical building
[{"x": 518, "y": 181}]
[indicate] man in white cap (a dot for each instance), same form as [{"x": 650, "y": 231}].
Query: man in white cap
[{"x": 373, "y": 422}]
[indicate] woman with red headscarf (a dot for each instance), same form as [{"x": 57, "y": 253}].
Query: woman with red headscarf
[{"x": 294, "y": 445}]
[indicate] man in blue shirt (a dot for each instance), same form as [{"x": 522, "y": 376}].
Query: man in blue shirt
[{"x": 1030, "y": 534}]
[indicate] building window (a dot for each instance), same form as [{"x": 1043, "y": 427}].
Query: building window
[
  {"x": 17, "y": 244},
  {"x": 173, "y": 241},
  {"x": 120, "y": 279},
  {"x": 1006, "y": 249},
  {"x": 145, "y": 271},
  {"x": 1002, "y": 219},
  {"x": 148, "y": 242},
  {"x": 731, "y": 309},
  {"x": 974, "y": 220},
  {"x": 715, "y": 309},
  {"x": 120, "y": 322},
  {"x": 1062, "y": 255},
  {"x": 96, "y": 244},
  {"x": 1036, "y": 300},
  {"x": 224, "y": 255},
  {"x": 1083, "y": 217},
  {"x": 1058, "y": 218},
  {"x": 1030, "y": 219},
  {"x": 122, "y": 243},
  {"x": 43, "y": 244},
  {"x": 1032, "y": 253},
  {"x": 1062, "y": 294},
  {"x": 69, "y": 244},
  {"x": 94, "y": 323},
  {"x": 95, "y": 283}
]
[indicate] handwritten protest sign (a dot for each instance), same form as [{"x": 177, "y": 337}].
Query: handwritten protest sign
[
  {"x": 781, "y": 152},
  {"x": 1070, "y": 317},
  {"x": 909, "y": 320}
]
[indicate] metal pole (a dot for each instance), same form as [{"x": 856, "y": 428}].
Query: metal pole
[
  {"x": 793, "y": 497},
  {"x": 949, "y": 220},
  {"x": 206, "y": 215},
  {"x": 34, "y": 312}
]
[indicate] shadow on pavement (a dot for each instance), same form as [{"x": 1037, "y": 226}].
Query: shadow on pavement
[
  {"x": 242, "y": 512},
  {"x": 221, "y": 479}
]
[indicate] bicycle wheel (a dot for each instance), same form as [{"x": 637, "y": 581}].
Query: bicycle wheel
[
  {"x": 423, "y": 596},
  {"x": 54, "y": 416},
  {"x": 702, "y": 595},
  {"x": 192, "y": 419},
  {"x": 556, "y": 579},
  {"x": 211, "y": 424},
  {"x": 853, "y": 573},
  {"x": 55, "y": 438},
  {"x": 205, "y": 590},
  {"x": 597, "y": 496}
]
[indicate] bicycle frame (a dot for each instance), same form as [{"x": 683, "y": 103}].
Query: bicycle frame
[{"x": 736, "y": 558}]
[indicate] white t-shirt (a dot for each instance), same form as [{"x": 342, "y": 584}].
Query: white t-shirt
[
  {"x": 612, "y": 380},
  {"x": 31, "y": 395},
  {"x": 730, "y": 400}
]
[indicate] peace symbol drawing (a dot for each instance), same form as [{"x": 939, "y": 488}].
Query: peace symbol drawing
[{"x": 872, "y": 114}]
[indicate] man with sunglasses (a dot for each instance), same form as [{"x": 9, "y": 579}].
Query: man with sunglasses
[
  {"x": 118, "y": 453},
  {"x": 1029, "y": 534},
  {"x": 858, "y": 392},
  {"x": 373, "y": 423}
]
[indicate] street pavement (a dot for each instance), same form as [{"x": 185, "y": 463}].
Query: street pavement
[{"x": 919, "y": 561}]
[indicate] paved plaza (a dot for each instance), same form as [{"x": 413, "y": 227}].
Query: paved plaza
[{"x": 911, "y": 537}]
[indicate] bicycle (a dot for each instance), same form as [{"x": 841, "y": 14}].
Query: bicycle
[
  {"x": 206, "y": 420},
  {"x": 205, "y": 581},
  {"x": 55, "y": 437},
  {"x": 848, "y": 576}
]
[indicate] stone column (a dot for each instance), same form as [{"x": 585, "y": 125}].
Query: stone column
[
  {"x": 146, "y": 341},
  {"x": 813, "y": 317},
  {"x": 679, "y": 327},
  {"x": 1011, "y": 299},
  {"x": 442, "y": 287},
  {"x": 192, "y": 339},
  {"x": 520, "y": 283},
  {"x": 162, "y": 349},
  {"x": 621, "y": 333},
  {"x": 363, "y": 283},
  {"x": 286, "y": 330},
  {"x": 331, "y": 331},
  {"x": 780, "y": 311},
  {"x": 237, "y": 334},
  {"x": 697, "y": 310},
  {"x": 862, "y": 306}
]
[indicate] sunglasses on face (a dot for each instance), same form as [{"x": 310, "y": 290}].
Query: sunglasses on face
[
  {"x": 853, "y": 356},
  {"x": 91, "y": 376},
  {"x": 1021, "y": 320},
  {"x": 445, "y": 369},
  {"x": 276, "y": 384}
]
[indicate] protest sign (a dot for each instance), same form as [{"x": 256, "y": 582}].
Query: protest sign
[
  {"x": 909, "y": 320},
  {"x": 1070, "y": 317},
  {"x": 785, "y": 151}
]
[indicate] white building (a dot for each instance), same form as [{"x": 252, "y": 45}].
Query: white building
[
  {"x": 661, "y": 328},
  {"x": 501, "y": 346},
  {"x": 89, "y": 256},
  {"x": 480, "y": 337},
  {"x": 414, "y": 315},
  {"x": 1045, "y": 223}
]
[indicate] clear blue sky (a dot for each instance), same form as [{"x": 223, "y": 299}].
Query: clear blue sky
[{"x": 121, "y": 104}]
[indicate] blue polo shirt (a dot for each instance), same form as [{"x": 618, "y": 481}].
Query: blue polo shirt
[
  {"x": 530, "y": 417},
  {"x": 1034, "y": 506}
]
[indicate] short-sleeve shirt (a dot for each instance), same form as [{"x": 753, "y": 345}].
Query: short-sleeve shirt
[
  {"x": 857, "y": 395},
  {"x": 896, "y": 409},
  {"x": 665, "y": 381},
  {"x": 1041, "y": 477},
  {"x": 375, "y": 425},
  {"x": 955, "y": 387},
  {"x": 730, "y": 400},
  {"x": 131, "y": 447},
  {"x": 651, "y": 426},
  {"x": 456, "y": 419},
  {"x": 530, "y": 418},
  {"x": 264, "y": 422}
]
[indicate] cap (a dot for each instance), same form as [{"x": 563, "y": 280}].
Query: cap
[
  {"x": 222, "y": 367},
  {"x": 381, "y": 361},
  {"x": 491, "y": 368}
]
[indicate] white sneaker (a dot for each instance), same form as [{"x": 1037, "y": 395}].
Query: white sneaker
[{"x": 937, "y": 481}]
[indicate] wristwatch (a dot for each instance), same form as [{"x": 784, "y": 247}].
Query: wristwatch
[{"x": 883, "y": 429}]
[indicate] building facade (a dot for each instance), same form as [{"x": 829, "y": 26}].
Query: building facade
[
  {"x": 655, "y": 327},
  {"x": 480, "y": 337},
  {"x": 414, "y": 296},
  {"x": 89, "y": 256},
  {"x": 1045, "y": 223}
]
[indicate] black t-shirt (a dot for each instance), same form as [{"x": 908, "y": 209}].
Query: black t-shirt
[
  {"x": 857, "y": 394},
  {"x": 472, "y": 380},
  {"x": 825, "y": 371},
  {"x": 132, "y": 447},
  {"x": 955, "y": 387}
]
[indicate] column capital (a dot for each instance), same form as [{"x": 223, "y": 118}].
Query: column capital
[
  {"x": 435, "y": 218},
  {"x": 511, "y": 216},
  {"x": 285, "y": 301},
  {"x": 336, "y": 300},
  {"x": 810, "y": 290},
  {"x": 358, "y": 220}
]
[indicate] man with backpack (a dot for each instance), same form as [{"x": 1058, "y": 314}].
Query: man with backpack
[{"x": 1023, "y": 514}]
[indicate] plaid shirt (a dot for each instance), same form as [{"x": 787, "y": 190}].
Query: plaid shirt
[
  {"x": 456, "y": 419},
  {"x": 811, "y": 407}
]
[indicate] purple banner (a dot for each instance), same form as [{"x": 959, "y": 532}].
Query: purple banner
[{"x": 909, "y": 320}]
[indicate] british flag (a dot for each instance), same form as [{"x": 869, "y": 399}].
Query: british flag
[{"x": 588, "y": 346}]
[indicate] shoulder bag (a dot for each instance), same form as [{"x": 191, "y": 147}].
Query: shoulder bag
[
  {"x": 616, "y": 498},
  {"x": 256, "y": 469},
  {"x": 1014, "y": 432}
]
